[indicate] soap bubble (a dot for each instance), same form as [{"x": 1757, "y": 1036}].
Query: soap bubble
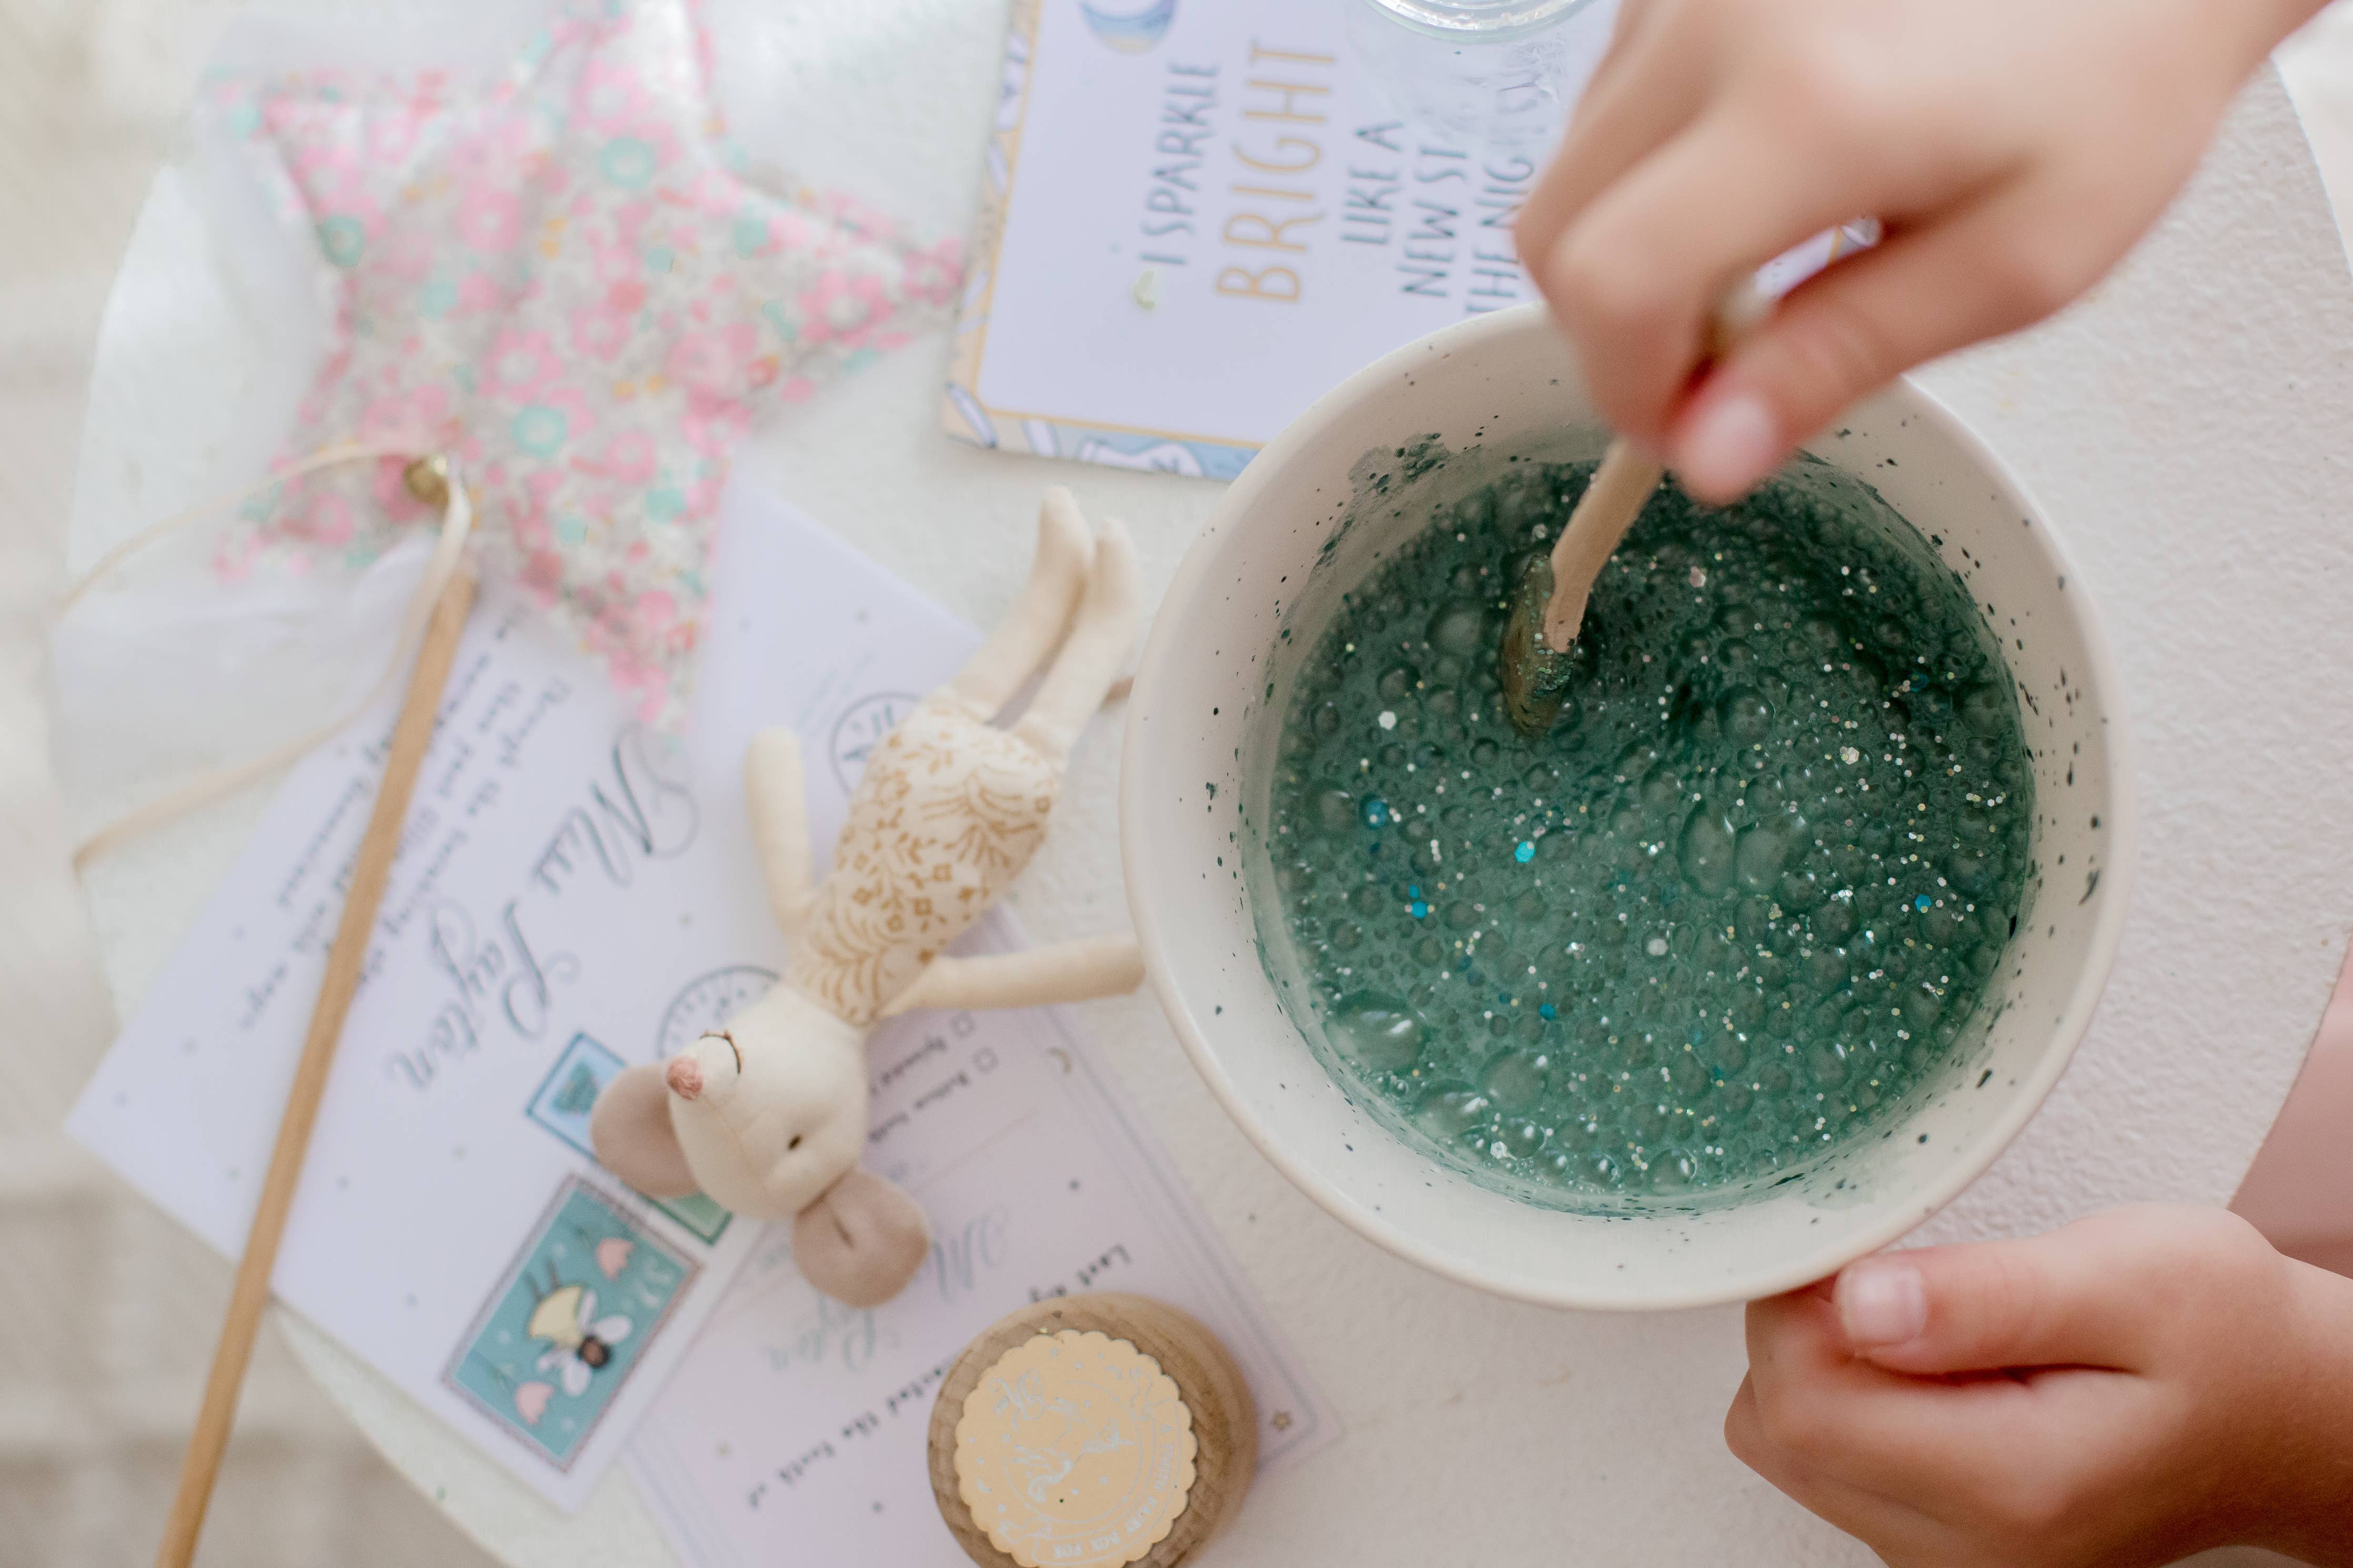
[
  {"x": 1800, "y": 890},
  {"x": 1747, "y": 717},
  {"x": 1706, "y": 851},
  {"x": 1832, "y": 923},
  {"x": 1449, "y": 1111},
  {"x": 1661, "y": 792},
  {"x": 1379, "y": 1031},
  {"x": 1675, "y": 1170},
  {"x": 1758, "y": 860},
  {"x": 1982, "y": 709},
  {"x": 1520, "y": 1137},
  {"x": 1517, "y": 1080},
  {"x": 1460, "y": 629}
]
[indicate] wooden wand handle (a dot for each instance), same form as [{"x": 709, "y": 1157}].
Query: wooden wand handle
[{"x": 410, "y": 737}]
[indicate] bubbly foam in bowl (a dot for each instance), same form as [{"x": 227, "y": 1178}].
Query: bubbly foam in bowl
[{"x": 1301, "y": 527}]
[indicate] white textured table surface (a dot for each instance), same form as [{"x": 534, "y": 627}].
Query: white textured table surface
[{"x": 2189, "y": 429}]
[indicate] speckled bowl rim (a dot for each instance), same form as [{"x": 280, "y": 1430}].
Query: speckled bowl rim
[{"x": 1167, "y": 642}]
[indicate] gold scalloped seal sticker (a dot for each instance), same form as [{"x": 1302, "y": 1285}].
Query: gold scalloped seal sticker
[{"x": 1075, "y": 1450}]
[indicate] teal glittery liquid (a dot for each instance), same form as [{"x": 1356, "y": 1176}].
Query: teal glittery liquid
[{"x": 1736, "y": 904}]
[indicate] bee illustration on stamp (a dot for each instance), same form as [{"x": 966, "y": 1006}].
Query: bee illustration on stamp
[{"x": 578, "y": 1340}]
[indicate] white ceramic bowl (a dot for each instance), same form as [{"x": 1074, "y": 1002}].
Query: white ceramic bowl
[{"x": 1217, "y": 674}]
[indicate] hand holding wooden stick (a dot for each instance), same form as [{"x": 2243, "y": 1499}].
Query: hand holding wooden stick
[
  {"x": 1548, "y": 602},
  {"x": 1623, "y": 485}
]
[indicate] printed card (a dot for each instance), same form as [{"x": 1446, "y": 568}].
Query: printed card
[{"x": 1200, "y": 217}]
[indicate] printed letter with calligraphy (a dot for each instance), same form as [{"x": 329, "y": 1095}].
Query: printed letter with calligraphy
[{"x": 574, "y": 894}]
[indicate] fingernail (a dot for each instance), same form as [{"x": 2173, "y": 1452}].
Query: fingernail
[
  {"x": 1733, "y": 442},
  {"x": 1883, "y": 1304}
]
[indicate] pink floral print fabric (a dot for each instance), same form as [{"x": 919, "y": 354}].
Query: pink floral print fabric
[{"x": 565, "y": 280}]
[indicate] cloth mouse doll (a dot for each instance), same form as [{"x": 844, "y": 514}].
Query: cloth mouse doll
[{"x": 767, "y": 1115}]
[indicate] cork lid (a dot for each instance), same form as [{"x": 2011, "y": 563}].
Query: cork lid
[
  {"x": 1075, "y": 1450},
  {"x": 1092, "y": 1432}
]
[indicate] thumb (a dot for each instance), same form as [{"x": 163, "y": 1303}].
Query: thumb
[
  {"x": 2046, "y": 1302},
  {"x": 1849, "y": 330}
]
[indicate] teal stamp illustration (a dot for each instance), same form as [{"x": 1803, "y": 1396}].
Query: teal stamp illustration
[
  {"x": 556, "y": 1340},
  {"x": 569, "y": 1091},
  {"x": 566, "y": 1096}
]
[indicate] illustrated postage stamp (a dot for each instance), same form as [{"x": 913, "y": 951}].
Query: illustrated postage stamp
[{"x": 571, "y": 1318}]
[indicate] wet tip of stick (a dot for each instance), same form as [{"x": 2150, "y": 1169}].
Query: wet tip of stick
[{"x": 1533, "y": 674}]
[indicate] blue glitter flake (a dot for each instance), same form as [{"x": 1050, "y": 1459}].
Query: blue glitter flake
[
  {"x": 1417, "y": 910},
  {"x": 1921, "y": 903},
  {"x": 1525, "y": 853},
  {"x": 1376, "y": 813},
  {"x": 1546, "y": 1011}
]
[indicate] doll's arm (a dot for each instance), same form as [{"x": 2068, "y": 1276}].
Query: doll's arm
[
  {"x": 1067, "y": 971},
  {"x": 778, "y": 799}
]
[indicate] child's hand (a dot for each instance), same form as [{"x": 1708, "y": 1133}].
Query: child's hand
[
  {"x": 2013, "y": 147},
  {"x": 2140, "y": 1385}
]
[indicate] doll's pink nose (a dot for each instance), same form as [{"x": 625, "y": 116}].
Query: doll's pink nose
[{"x": 684, "y": 1077}]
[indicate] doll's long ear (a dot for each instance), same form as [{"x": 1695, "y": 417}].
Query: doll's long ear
[
  {"x": 631, "y": 1131},
  {"x": 861, "y": 1240}
]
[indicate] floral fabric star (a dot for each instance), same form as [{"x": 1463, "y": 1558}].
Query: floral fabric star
[{"x": 565, "y": 281}]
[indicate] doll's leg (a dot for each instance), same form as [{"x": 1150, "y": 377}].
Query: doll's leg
[
  {"x": 1039, "y": 612},
  {"x": 777, "y": 797},
  {"x": 1067, "y": 971},
  {"x": 1092, "y": 656}
]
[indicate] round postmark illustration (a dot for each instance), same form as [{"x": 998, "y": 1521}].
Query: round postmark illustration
[
  {"x": 861, "y": 729},
  {"x": 1075, "y": 1450},
  {"x": 707, "y": 1003}
]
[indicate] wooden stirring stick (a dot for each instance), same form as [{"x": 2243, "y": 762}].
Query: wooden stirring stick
[
  {"x": 1620, "y": 488},
  {"x": 410, "y": 736},
  {"x": 1623, "y": 485}
]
